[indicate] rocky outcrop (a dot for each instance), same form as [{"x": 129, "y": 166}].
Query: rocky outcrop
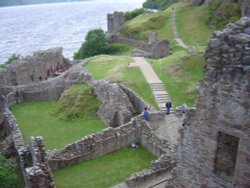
[{"x": 214, "y": 150}]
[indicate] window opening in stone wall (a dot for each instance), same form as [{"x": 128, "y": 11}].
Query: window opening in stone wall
[{"x": 226, "y": 156}]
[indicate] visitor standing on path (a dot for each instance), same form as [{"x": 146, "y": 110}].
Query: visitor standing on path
[
  {"x": 168, "y": 106},
  {"x": 145, "y": 114}
]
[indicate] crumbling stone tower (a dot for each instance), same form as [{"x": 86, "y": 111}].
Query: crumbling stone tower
[
  {"x": 215, "y": 145},
  {"x": 115, "y": 21}
]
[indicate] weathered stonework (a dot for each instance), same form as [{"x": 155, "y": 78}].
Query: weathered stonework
[
  {"x": 32, "y": 69},
  {"x": 115, "y": 21},
  {"x": 221, "y": 117},
  {"x": 153, "y": 48}
]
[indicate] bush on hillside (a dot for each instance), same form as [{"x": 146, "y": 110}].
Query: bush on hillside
[
  {"x": 223, "y": 13},
  {"x": 8, "y": 178},
  {"x": 95, "y": 44},
  {"x": 129, "y": 15},
  {"x": 158, "y": 4},
  {"x": 12, "y": 58}
]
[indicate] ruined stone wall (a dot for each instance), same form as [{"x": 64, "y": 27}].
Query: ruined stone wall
[
  {"x": 29, "y": 69},
  {"x": 93, "y": 146},
  {"x": 149, "y": 140},
  {"x": 221, "y": 117},
  {"x": 136, "y": 101},
  {"x": 115, "y": 38},
  {"x": 39, "y": 175},
  {"x": 116, "y": 108},
  {"x": 245, "y": 7},
  {"x": 153, "y": 49},
  {"x": 32, "y": 160}
]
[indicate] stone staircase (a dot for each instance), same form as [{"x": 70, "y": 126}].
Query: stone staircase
[{"x": 161, "y": 95}]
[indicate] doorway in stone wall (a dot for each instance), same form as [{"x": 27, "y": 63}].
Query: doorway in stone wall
[{"x": 226, "y": 156}]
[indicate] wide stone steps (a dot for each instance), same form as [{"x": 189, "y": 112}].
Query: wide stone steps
[{"x": 161, "y": 96}]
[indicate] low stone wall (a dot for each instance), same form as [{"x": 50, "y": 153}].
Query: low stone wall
[
  {"x": 165, "y": 163},
  {"x": 93, "y": 146},
  {"x": 115, "y": 38}
]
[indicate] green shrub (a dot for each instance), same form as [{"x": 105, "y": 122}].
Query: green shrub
[
  {"x": 77, "y": 102},
  {"x": 8, "y": 178},
  {"x": 12, "y": 58},
  {"x": 95, "y": 44},
  {"x": 221, "y": 14},
  {"x": 132, "y": 14}
]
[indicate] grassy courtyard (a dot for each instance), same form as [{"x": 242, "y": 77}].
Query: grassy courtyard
[
  {"x": 36, "y": 119},
  {"x": 104, "y": 171}
]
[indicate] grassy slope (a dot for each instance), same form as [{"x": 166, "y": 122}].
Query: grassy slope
[
  {"x": 36, "y": 119},
  {"x": 191, "y": 25},
  {"x": 77, "y": 102},
  {"x": 97, "y": 173},
  {"x": 180, "y": 74},
  {"x": 115, "y": 69}
]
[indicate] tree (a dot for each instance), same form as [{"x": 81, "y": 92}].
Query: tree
[
  {"x": 95, "y": 43},
  {"x": 8, "y": 178}
]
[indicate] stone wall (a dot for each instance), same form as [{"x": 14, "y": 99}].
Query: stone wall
[
  {"x": 93, "y": 146},
  {"x": 115, "y": 21},
  {"x": 39, "y": 175},
  {"x": 245, "y": 8},
  {"x": 113, "y": 139},
  {"x": 222, "y": 112},
  {"x": 31, "y": 68},
  {"x": 32, "y": 160},
  {"x": 138, "y": 103},
  {"x": 153, "y": 48},
  {"x": 116, "y": 38}
]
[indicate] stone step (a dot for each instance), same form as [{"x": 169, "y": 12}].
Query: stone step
[
  {"x": 158, "y": 88},
  {"x": 161, "y": 98}
]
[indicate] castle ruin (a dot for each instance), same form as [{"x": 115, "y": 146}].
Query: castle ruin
[
  {"x": 213, "y": 150},
  {"x": 115, "y": 21}
]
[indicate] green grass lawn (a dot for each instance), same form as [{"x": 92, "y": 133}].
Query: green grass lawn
[
  {"x": 104, "y": 171},
  {"x": 36, "y": 119},
  {"x": 115, "y": 69},
  {"x": 180, "y": 74}
]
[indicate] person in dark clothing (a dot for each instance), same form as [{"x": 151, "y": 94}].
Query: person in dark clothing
[
  {"x": 168, "y": 106},
  {"x": 145, "y": 114}
]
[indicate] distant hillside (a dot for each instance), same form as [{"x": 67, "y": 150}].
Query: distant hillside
[{"x": 26, "y": 2}]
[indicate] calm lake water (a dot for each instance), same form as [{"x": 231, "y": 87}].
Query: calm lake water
[{"x": 25, "y": 29}]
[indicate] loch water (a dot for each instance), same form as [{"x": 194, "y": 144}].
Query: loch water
[{"x": 25, "y": 29}]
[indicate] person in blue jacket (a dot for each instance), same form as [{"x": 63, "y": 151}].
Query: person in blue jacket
[
  {"x": 168, "y": 106},
  {"x": 145, "y": 114}
]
